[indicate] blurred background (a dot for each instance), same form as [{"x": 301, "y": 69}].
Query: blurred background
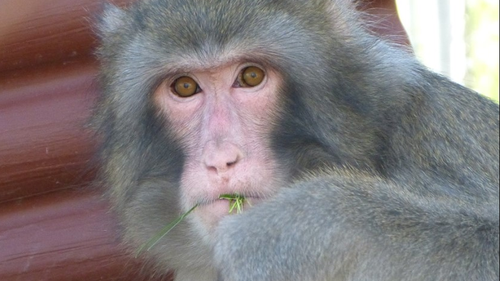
[{"x": 457, "y": 38}]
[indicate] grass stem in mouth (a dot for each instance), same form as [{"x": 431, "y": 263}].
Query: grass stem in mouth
[
  {"x": 151, "y": 242},
  {"x": 236, "y": 201}
]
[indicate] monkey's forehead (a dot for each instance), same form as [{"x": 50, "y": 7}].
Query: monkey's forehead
[{"x": 206, "y": 29}]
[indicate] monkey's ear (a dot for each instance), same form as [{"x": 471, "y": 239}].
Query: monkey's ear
[{"x": 112, "y": 18}]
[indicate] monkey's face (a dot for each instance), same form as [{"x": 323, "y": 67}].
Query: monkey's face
[
  {"x": 200, "y": 101},
  {"x": 221, "y": 116}
]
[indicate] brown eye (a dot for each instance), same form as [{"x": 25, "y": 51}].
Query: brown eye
[
  {"x": 185, "y": 87},
  {"x": 252, "y": 76}
]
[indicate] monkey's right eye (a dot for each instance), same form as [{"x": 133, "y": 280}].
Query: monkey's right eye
[{"x": 185, "y": 87}]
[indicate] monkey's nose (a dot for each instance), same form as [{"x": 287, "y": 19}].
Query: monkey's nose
[{"x": 221, "y": 157}]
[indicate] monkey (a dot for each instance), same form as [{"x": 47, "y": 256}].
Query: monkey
[{"x": 356, "y": 162}]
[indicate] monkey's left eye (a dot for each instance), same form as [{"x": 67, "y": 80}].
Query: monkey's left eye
[
  {"x": 185, "y": 87},
  {"x": 250, "y": 77}
]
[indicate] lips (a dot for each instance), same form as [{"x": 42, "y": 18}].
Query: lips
[
  {"x": 212, "y": 211},
  {"x": 220, "y": 207},
  {"x": 249, "y": 200}
]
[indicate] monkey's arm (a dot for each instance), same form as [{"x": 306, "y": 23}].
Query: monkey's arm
[{"x": 341, "y": 227}]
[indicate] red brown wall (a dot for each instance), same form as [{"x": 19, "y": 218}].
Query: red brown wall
[{"x": 53, "y": 225}]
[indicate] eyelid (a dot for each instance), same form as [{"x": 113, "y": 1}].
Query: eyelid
[
  {"x": 171, "y": 78},
  {"x": 248, "y": 64}
]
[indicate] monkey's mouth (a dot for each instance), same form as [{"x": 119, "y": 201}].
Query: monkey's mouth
[{"x": 227, "y": 204}]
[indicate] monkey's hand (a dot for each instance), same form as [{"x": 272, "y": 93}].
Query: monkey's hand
[{"x": 358, "y": 227}]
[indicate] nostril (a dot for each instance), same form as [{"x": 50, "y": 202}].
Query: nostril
[
  {"x": 232, "y": 163},
  {"x": 221, "y": 157}
]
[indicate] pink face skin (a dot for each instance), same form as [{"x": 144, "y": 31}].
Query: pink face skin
[{"x": 224, "y": 130}]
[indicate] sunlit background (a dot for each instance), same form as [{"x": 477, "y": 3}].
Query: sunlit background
[{"x": 457, "y": 38}]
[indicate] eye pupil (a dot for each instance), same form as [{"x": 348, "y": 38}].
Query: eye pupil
[
  {"x": 252, "y": 76},
  {"x": 185, "y": 87}
]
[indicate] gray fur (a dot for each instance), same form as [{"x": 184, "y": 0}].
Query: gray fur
[{"x": 393, "y": 169}]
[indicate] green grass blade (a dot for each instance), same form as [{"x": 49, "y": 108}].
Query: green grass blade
[
  {"x": 235, "y": 201},
  {"x": 164, "y": 231}
]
